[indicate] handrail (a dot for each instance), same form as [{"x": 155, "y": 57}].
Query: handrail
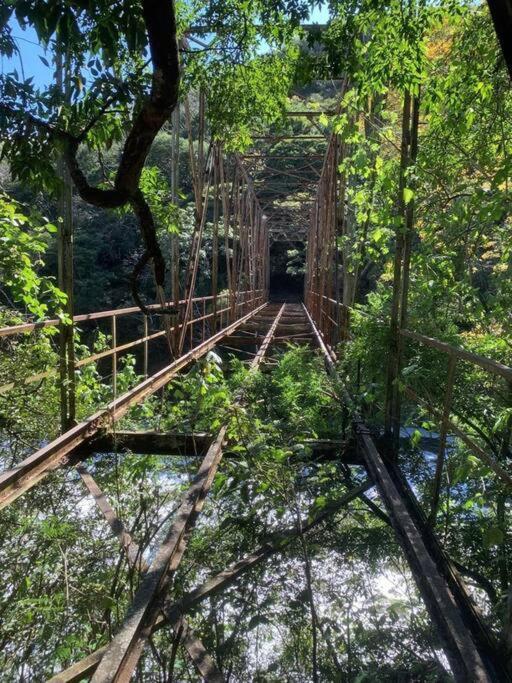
[
  {"x": 116, "y": 350},
  {"x": 484, "y": 362},
  {"x": 488, "y": 364},
  {"x": 22, "y": 476},
  {"x": 443, "y": 415},
  {"x": 84, "y": 317}
]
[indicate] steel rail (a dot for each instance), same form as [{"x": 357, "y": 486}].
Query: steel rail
[
  {"x": 116, "y": 350},
  {"x": 495, "y": 466},
  {"x": 488, "y": 364},
  {"x": 125, "y": 649},
  {"x": 84, "y": 317},
  {"x": 98, "y": 315},
  {"x": 453, "y": 352},
  {"x": 468, "y": 645}
]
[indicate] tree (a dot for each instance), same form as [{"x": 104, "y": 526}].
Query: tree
[{"x": 34, "y": 131}]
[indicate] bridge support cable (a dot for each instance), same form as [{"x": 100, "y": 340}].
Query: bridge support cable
[
  {"x": 124, "y": 651},
  {"x": 23, "y": 476},
  {"x": 172, "y": 610},
  {"x": 467, "y": 643}
]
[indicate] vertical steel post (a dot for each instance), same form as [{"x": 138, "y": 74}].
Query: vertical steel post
[
  {"x": 391, "y": 405},
  {"x": 448, "y": 397},
  {"x": 114, "y": 354},
  {"x": 146, "y": 346},
  {"x": 175, "y": 239},
  {"x": 65, "y": 268}
]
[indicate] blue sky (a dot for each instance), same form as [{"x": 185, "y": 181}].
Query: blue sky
[{"x": 29, "y": 62}]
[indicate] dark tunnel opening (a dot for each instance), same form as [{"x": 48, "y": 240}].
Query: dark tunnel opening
[{"x": 287, "y": 265}]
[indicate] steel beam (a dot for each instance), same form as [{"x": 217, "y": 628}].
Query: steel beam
[
  {"x": 196, "y": 650},
  {"x": 149, "y": 442},
  {"x": 171, "y": 444},
  {"x": 124, "y": 651},
  {"x": 468, "y": 645},
  {"x": 174, "y": 610}
]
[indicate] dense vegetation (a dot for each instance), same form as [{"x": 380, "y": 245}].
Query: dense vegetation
[{"x": 338, "y": 603}]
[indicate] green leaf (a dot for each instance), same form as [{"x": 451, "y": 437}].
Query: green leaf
[
  {"x": 408, "y": 195},
  {"x": 320, "y": 502},
  {"x": 377, "y": 234},
  {"x": 415, "y": 437}
]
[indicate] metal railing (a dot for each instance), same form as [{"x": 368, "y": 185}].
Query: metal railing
[
  {"x": 209, "y": 314},
  {"x": 327, "y": 314}
]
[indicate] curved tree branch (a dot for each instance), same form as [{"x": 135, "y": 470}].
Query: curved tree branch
[
  {"x": 148, "y": 229},
  {"x": 136, "y": 272},
  {"x": 160, "y": 21}
]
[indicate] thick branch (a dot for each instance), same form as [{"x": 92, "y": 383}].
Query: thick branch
[
  {"x": 150, "y": 116},
  {"x": 148, "y": 230},
  {"x": 160, "y": 21}
]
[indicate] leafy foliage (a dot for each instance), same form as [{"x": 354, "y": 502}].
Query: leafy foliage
[{"x": 24, "y": 239}]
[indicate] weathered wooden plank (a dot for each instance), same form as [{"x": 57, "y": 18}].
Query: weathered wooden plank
[{"x": 267, "y": 341}]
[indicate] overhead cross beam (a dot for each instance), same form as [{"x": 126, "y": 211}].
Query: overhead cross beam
[{"x": 210, "y": 28}]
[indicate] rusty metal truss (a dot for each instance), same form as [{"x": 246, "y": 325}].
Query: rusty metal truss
[{"x": 286, "y": 161}]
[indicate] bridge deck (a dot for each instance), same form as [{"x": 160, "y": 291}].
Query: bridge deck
[{"x": 470, "y": 649}]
